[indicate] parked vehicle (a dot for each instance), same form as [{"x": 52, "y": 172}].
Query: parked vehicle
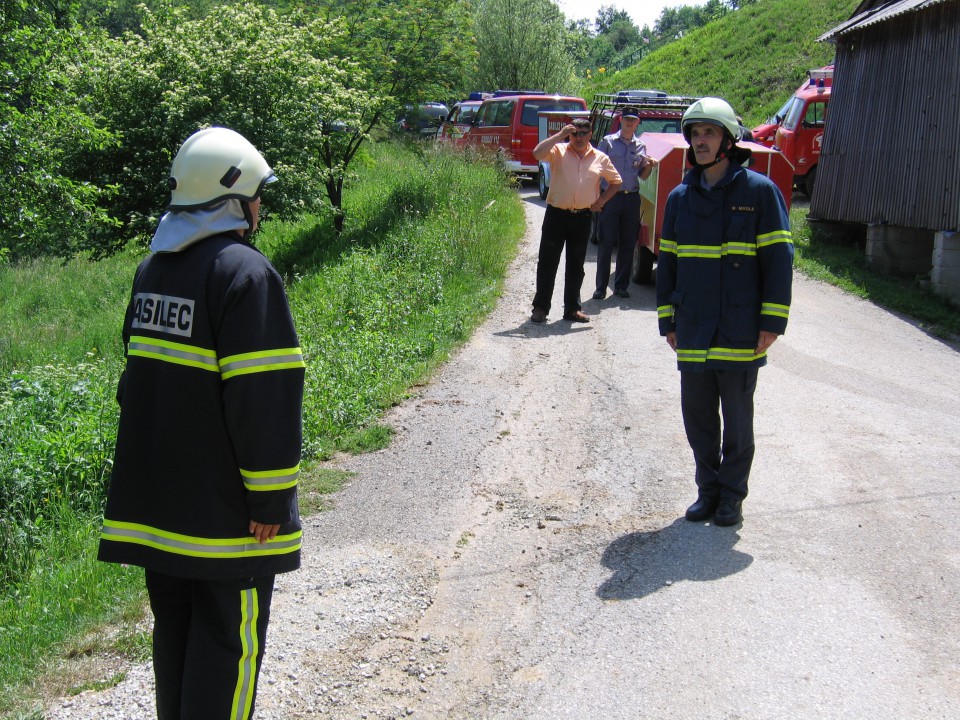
[
  {"x": 424, "y": 119},
  {"x": 509, "y": 126},
  {"x": 799, "y": 133},
  {"x": 456, "y": 124},
  {"x": 766, "y": 133},
  {"x": 670, "y": 150},
  {"x": 659, "y": 112}
]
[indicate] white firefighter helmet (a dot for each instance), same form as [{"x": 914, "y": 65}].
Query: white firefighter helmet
[{"x": 213, "y": 165}]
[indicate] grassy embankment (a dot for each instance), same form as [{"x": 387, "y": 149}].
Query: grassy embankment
[
  {"x": 754, "y": 57},
  {"x": 426, "y": 247}
]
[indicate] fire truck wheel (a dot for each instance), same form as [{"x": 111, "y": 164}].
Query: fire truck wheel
[
  {"x": 808, "y": 182},
  {"x": 642, "y": 265},
  {"x": 542, "y": 184}
]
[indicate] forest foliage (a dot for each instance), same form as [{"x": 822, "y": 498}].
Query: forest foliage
[{"x": 95, "y": 97}]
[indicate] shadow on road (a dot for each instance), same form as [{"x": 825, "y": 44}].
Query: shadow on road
[{"x": 644, "y": 562}]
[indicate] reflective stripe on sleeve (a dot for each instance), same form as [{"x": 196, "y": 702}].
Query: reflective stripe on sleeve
[
  {"x": 270, "y": 479},
  {"x": 173, "y": 352},
  {"x": 771, "y": 238},
  {"x": 262, "y": 361},
  {"x": 196, "y": 546},
  {"x": 669, "y": 246},
  {"x": 664, "y": 311},
  {"x": 775, "y": 309}
]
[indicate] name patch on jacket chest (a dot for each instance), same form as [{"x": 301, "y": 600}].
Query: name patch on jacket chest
[
  {"x": 163, "y": 313},
  {"x": 742, "y": 208}
]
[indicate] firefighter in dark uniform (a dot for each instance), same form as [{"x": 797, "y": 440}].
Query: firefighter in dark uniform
[
  {"x": 724, "y": 275},
  {"x": 203, "y": 493}
]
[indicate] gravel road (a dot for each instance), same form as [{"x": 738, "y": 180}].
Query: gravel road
[{"x": 519, "y": 551}]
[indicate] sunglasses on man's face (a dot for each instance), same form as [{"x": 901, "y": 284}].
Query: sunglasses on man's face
[{"x": 581, "y": 133}]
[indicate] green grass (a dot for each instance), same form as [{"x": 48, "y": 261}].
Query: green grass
[
  {"x": 62, "y": 311},
  {"x": 844, "y": 265},
  {"x": 422, "y": 259},
  {"x": 47, "y": 618}
]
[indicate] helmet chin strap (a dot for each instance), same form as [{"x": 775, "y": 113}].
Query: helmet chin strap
[{"x": 248, "y": 216}]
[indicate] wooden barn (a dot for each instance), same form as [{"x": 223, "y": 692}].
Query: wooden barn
[{"x": 890, "y": 159}]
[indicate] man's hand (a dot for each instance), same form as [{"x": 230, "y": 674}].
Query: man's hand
[
  {"x": 672, "y": 340},
  {"x": 263, "y": 533},
  {"x": 765, "y": 340},
  {"x": 648, "y": 165}
]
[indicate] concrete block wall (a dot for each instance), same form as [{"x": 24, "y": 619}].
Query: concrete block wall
[
  {"x": 899, "y": 250},
  {"x": 945, "y": 276}
]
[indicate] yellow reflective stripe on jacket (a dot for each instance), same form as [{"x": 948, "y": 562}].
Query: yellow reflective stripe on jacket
[
  {"x": 250, "y": 644},
  {"x": 716, "y": 251},
  {"x": 718, "y": 353},
  {"x": 196, "y": 546},
  {"x": 669, "y": 246},
  {"x": 665, "y": 311},
  {"x": 270, "y": 479},
  {"x": 775, "y": 309},
  {"x": 262, "y": 361},
  {"x": 771, "y": 238},
  {"x": 173, "y": 352}
]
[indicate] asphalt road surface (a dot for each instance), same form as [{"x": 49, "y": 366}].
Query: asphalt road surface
[{"x": 520, "y": 550}]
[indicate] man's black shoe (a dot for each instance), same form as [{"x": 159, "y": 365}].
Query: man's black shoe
[
  {"x": 702, "y": 509},
  {"x": 600, "y": 294},
  {"x": 622, "y": 293},
  {"x": 728, "y": 513}
]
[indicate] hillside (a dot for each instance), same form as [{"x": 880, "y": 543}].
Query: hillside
[{"x": 753, "y": 57}]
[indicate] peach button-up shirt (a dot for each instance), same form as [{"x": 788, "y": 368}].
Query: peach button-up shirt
[{"x": 575, "y": 181}]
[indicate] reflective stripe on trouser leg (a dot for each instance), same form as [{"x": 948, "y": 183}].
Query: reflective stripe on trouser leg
[
  {"x": 227, "y": 640},
  {"x": 247, "y": 666}
]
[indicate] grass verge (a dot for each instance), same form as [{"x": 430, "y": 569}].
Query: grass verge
[
  {"x": 426, "y": 246},
  {"x": 845, "y": 266}
]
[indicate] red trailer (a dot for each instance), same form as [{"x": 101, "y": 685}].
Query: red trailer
[{"x": 670, "y": 150}]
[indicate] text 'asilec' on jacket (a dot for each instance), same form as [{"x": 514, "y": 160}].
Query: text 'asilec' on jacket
[
  {"x": 724, "y": 269},
  {"x": 210, "y": 429}
]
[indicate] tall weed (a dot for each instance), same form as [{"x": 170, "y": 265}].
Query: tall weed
[{"x": 57, "y": 431}]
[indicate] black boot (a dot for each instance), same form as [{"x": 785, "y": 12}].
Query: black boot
[
  {"x": 702, "y": 509},
  {"x": 728, "y": 512}
]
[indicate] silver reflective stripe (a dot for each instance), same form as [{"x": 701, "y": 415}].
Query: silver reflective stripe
[
  {"x": 250, "y": 642},
  {"x": 270, "y": 479},
  {"x": 199, "y": 547},
  {"x": 172, "y": 352},
  {"x": 264, "y": 361}
]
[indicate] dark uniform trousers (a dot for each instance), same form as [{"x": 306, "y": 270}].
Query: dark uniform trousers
[
  {"x": 208, "y": 642},
  {"x": 723, "y": 458},
  {"x": 562, "y": 227},
  {"x": 619, "y": 225}
]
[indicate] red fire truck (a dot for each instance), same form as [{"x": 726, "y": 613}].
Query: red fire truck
[{"x": 797, "y": 129}]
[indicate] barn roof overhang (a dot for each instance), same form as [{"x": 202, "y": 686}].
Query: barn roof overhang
[{"x": 871, "y": 12}]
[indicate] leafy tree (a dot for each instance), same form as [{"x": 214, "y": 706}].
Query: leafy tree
[
  {"x": 607, "y": 16},
  {"x": 44, "y": 210},
  {"x": 273, "y": 79},
  {"x": 521, "y": 44},
  {"x": 408, "y": 51}
]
